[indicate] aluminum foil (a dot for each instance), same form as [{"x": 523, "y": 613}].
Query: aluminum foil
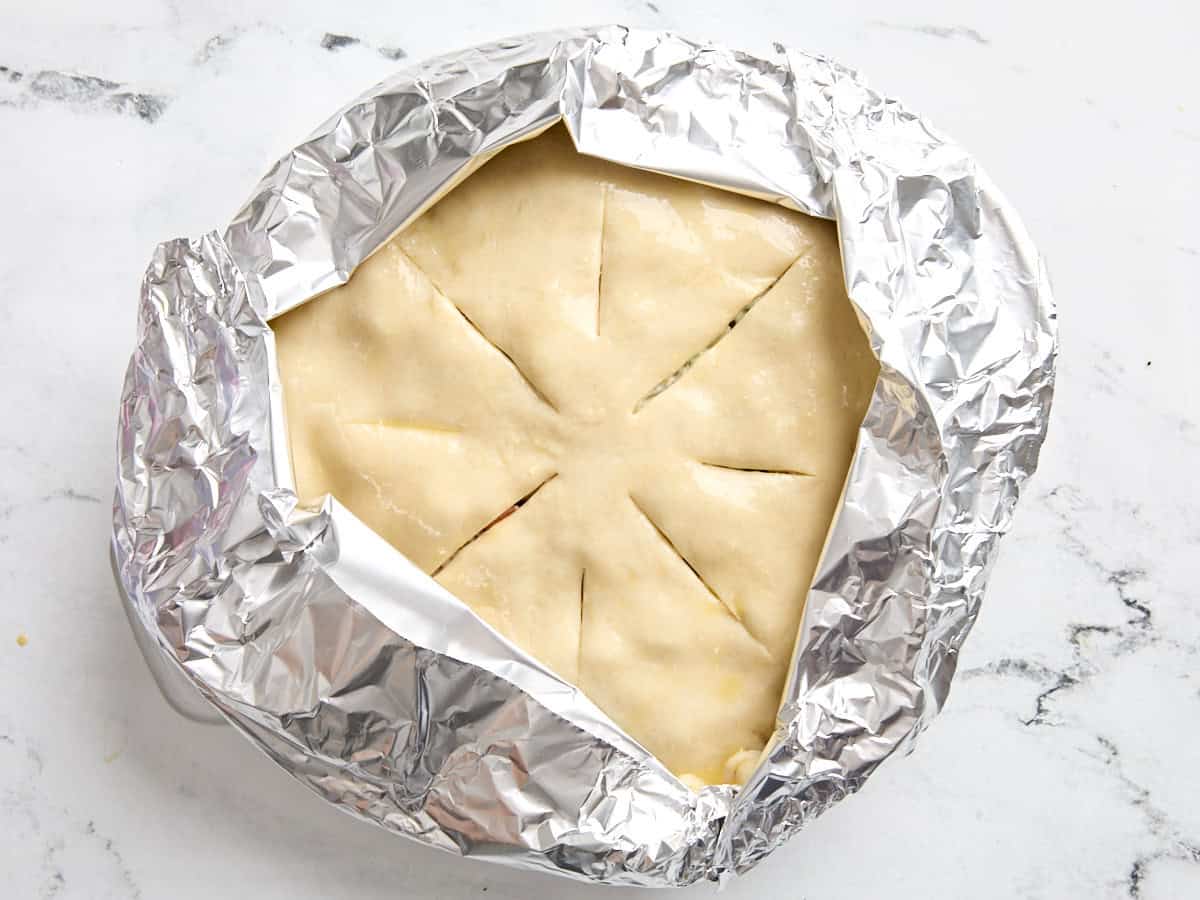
[{"x": 376, "y": 688}]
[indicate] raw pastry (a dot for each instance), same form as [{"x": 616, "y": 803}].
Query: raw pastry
[{"x": 612, "y": 412}]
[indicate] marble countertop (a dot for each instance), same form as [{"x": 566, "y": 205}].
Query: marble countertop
[{"x": 1065, "y": 764}]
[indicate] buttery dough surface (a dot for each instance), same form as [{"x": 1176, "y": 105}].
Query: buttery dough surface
[{"x": 609, "y": 410}]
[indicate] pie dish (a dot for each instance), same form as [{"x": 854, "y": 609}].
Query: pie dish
[
  {"x": 328, "y": 644},
  {"x": 609, "y": 410}
]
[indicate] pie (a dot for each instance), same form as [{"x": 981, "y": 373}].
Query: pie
[{"x": 612, "y": 412}]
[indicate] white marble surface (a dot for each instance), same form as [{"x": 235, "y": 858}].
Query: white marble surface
[{"x": 1066, "y": 762}]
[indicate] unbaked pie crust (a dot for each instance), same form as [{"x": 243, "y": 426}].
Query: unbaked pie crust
[{"x": 613, "y": 413}]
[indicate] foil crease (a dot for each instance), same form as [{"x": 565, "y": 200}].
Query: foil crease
[{"x": 380, "y": 691}]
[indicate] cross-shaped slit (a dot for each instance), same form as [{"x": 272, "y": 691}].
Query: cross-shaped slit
[
  {"x": 508, "y": 511},
  {"x": 402, "y": 425},
  {"x": 537, "y": 392},
  {"x": 757, "y": 471},
  {"x": 579, "y": 646},
  {"x": 708, "y": 587},
  {"x": 707, "y": 348},
  {"x": 600, "y": 265}
]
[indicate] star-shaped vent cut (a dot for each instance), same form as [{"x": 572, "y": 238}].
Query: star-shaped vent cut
[{"x": 609, "y": 410}]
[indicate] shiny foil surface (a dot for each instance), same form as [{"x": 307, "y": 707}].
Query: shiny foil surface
[{"x": 380, "y": 691}]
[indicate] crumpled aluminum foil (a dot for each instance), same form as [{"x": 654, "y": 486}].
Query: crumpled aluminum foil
[{"x": 380, "y": 691}]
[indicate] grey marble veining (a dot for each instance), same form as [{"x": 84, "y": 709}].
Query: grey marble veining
[{"x": 1065, "y": 762}]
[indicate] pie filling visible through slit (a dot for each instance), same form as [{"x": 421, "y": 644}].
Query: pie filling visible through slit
[{"x": 610, "y": 411}]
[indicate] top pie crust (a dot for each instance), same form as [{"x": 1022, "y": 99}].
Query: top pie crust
[{"x": 613, "y": 413}]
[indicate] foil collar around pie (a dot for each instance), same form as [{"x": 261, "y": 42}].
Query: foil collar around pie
[{"x": 376, "y": 688}]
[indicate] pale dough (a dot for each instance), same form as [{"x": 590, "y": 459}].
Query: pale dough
[{"x": 612, "y": 412}]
